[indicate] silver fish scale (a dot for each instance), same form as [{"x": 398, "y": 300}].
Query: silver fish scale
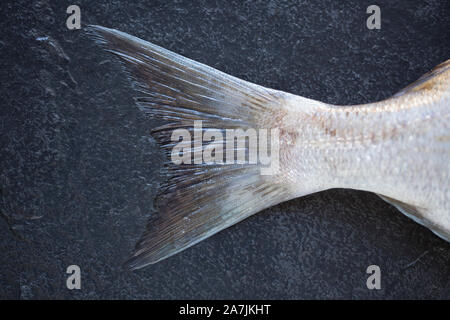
[{"x": 398, "y": 148}]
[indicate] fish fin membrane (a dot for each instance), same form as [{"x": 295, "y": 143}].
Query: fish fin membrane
[
  {"x": 407, "y": 209},
  {"x": 197, "y": 200},
  {"x": 172, "y": 87},
  {"x": 427, "y": 81},
  {"x": 414, "y": 213}
]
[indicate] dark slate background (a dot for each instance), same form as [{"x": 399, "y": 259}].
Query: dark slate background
[{"x": 79, "y": 171}]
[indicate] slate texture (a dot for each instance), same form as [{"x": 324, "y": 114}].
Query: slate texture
[{"x": 78, "y": 169}]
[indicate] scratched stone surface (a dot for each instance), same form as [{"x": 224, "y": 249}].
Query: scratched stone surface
[{"x": 78, "y": 170}]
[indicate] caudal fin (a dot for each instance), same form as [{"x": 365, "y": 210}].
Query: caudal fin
[{"x": 198, "y": 199}]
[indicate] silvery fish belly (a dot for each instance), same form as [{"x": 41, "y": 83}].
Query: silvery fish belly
[{"x": 282, "y": 146}]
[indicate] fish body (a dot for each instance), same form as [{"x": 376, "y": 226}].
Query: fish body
[{"x": 398, "y": 148}]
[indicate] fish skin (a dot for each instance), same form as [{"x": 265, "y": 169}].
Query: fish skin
[{"x": 397, "y": 148}]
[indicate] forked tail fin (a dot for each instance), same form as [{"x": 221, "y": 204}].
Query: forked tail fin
[{"x": 198, "y": 199}]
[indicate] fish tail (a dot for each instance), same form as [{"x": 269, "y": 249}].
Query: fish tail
[{"x": 198, "y": 199}]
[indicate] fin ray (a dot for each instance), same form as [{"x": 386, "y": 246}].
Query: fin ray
[{"x": 197, "y": 200}]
